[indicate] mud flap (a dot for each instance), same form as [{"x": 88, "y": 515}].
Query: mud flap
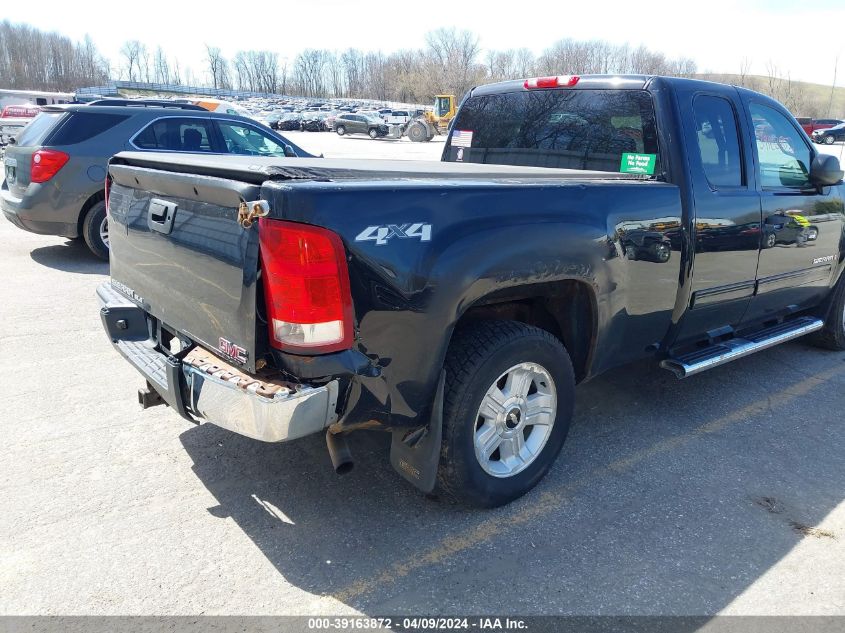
[{"x": 416, "y": 454}]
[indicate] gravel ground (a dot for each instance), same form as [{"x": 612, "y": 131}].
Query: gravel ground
[{"x": 719, "y": 494}]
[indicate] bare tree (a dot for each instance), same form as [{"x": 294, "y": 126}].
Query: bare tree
[
  {"x": 832, "y": 85},
  {"x": 308, "y": 72},
  {"x": 218, "y": 67},
  {"x": 161, "y": 66},
  {"x": 453, "y": 60},
  {"x": 744, "y": 69},
  {"x": 132, "y": 52}
]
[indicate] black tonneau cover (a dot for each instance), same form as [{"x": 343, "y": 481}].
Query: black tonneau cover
[{"x": 256, "y": 170}]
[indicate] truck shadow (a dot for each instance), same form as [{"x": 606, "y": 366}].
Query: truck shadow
[
  {"x": 669, "y": 498},
  {"x": 73, "y": 257}
]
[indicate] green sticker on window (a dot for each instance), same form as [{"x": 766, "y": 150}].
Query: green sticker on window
[{"x": 637, "y": 163}]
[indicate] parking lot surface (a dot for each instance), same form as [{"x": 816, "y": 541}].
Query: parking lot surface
[{"x": 722, "y": 493}]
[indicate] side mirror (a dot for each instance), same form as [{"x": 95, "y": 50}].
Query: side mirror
[
  {"x": 825, "y": 170},
  {"x": 292, "y": 154}
]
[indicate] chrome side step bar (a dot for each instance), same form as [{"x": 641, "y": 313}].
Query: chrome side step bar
[{"x": 721, "y": 353}]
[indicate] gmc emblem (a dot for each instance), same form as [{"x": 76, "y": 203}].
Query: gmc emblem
[{"x": 235, "y": 352}]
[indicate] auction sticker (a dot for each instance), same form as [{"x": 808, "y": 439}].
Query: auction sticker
[
  {"x": 637, "y": 163},
  {"x": 462, "y": 138}
]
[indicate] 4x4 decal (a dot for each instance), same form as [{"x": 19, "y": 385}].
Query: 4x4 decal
[{"x": 381, "y": 234}]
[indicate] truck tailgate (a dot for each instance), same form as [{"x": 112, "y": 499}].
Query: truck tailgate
[{"x": 178, "y": 251}]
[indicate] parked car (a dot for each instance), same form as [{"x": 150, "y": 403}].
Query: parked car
[
  {"x": 314, "y": 122},
  {"x": 819, "y": 124},
  {"x": 830, "y": 135},
  {"x": 456, "y": 305},
  {"x": 13, "y": 119},
  {"x": 374, "y": 114},
  {"x": 55, "y": 169},
  {"x": 360, "y": 124},
  {"x": 289, "y": 122},
  {"x": 398, "y": 117},
  {"x": 272, "y": 120}
]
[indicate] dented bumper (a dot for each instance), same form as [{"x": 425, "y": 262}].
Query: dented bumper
[{"x": 201, "y": 385}]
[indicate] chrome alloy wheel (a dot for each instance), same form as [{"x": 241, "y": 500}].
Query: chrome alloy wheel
[
  {"x": 515, "y": 420},
  {"x": 104, "y": 231}
]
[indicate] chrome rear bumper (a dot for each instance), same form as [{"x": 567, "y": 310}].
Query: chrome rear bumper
[{"x": 204, "y": 386}]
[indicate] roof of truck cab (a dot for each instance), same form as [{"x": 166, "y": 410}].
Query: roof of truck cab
[
  {"x": 629, "y": 82},
  {"x": 591, "y": 82},
  {"x": 257, "y": 170}
]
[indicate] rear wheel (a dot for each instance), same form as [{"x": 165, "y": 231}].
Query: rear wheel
[
  {"x": 770, "y": 241},
  {"x": 373, "y": 133},
  {"x": 95, "y": 230},
  {"x": 509, "y": 395},
  {"x": 832, "y": 336},
  {"x": 661, "y": 252}
]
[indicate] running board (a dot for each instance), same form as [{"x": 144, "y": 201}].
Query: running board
[{"x": 721, "y": 353}]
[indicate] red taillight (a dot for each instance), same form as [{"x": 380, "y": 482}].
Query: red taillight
[
  {"x": 106, "y": 188},
  {"x": 558, "y": 81},
  {"x": 306, "y": 287},
  {"x": 45, "y": 164}
]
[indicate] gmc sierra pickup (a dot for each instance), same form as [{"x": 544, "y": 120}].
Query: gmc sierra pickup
[{"x": 574, "y": 224}]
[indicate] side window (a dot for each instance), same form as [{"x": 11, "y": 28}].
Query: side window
[
  {"x": 442, "y": 106},
  {"x": 176, "y": 135},
  {"x": 245, "y": 139},
  {"x": 783, "y": 155},
  {"x": 718, "y": 141},
  {"x": 81, "y": 126}
]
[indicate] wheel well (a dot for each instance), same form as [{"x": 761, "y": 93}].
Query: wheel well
[
  {"x": 564, "y": 309},
  {"x": 90, "y": 202}
]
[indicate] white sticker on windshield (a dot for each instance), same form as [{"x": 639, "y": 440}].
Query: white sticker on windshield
[{"x": 462, "y": 138}]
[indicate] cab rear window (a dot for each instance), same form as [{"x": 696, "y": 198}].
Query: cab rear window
[{"x": 572, "y": 129}]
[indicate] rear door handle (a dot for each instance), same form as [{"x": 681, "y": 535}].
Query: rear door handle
[{"x": 160, "y": 215}]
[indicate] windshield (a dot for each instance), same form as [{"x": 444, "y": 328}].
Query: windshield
[{"x": 601, "y": 130}]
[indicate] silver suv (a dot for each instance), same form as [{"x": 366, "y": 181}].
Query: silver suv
[{"x": 56, "y": 168}]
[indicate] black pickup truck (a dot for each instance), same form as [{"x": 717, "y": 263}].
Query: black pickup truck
[{"x": 574, "y": 224}]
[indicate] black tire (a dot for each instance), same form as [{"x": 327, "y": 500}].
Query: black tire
[
  {"x": 478, "y": 355},
  {"x": 91, "y": 225},
  {"x": 631, "y": 253},
  {"x": 662, "y": 253},
  {"x": 770, "y": 240},
  {"x": 829, "y": 140},
  {"x": 373, "y": 133},
  {"x": 417, "y": 133},
  {"x": 340, "y": 130},
  {"x": 832, "y": 336}
]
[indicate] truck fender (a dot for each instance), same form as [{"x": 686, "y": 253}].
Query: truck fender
[{"x": 415, "y": 454}]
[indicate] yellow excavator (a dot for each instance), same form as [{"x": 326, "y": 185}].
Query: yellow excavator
[{"x": 433, "y": 122}]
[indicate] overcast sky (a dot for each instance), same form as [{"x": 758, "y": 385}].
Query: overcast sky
[{"x": 717, "y": 34}]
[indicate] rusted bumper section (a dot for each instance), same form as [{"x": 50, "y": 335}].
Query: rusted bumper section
[{"x": 204, "y": 386}]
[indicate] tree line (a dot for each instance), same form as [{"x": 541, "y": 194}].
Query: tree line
[
  {"x": 451, "y": 61},
  {"x": 34, "y": 60}
]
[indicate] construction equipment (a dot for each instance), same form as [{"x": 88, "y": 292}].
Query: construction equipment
[{"x": 432, "y": 123}]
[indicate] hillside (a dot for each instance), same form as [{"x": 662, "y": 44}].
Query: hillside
[{"x": 802, "y": 98}]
